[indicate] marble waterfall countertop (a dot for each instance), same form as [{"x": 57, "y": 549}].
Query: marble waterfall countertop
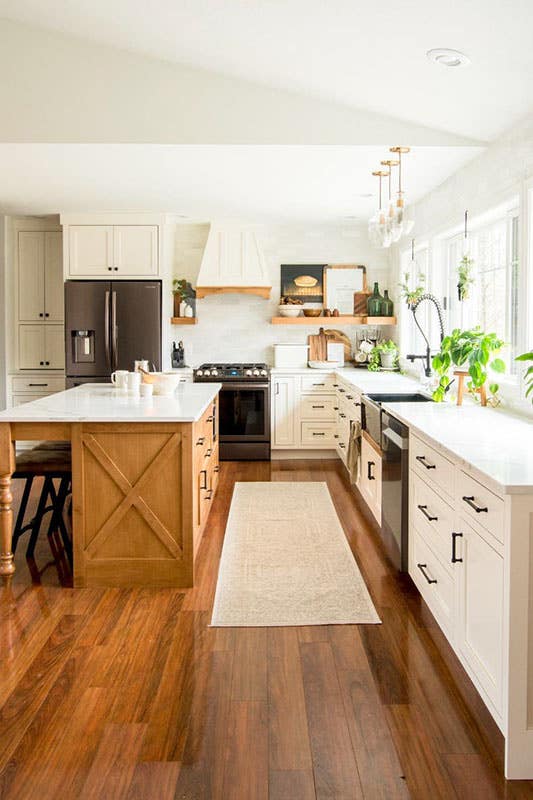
[{"x": 99, "y": 402}]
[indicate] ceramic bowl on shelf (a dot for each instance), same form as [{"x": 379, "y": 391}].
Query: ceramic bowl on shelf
[
  {"x": 289, "y": 311},
  {"x": 312, "y": 312}
]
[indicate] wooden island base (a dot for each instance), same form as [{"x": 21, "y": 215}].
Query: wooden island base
[{"x": 141, "y": 494}]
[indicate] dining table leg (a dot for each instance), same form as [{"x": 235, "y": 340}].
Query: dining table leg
[{"x": 7, "y": 467}]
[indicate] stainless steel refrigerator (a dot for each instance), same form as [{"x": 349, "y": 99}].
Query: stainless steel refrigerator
[{"x": 108, "y": 325}]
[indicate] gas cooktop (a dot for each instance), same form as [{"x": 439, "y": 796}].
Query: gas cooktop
[{"x": 232, "y": 372}]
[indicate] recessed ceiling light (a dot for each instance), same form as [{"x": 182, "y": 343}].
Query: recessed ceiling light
[{"x": 447, "y": 57}]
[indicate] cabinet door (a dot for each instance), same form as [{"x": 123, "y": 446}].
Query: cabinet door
[
  {"x": 53, "y": 276},
  {"x": 90, "y": 250},
  {"x": 135, "y": 250},
  {"x": 31, "y": 276},
  {"x": 54, "y": 351},
  {"x": 283, "y": 412},
  {"x": 480, "y": 611},
  {"x": 31, "y": 346},
  {"x": 370, "y": 478}
]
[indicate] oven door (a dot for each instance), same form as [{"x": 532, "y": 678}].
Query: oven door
[{"x": 244, "y": 412}]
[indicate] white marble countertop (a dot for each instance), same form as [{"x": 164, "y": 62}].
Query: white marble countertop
[{"x": 99, "y": 402}]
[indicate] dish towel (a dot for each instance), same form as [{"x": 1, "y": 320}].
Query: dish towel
[{"x": 354, "y": 450}]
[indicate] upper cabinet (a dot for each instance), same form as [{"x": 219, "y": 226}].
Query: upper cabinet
[
  {"x": 40, "y": 276},
  {"x": 117, "y": 251},
  {"x": 233, "y": 261}
]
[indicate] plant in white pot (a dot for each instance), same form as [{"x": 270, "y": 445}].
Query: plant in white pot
[{"x": 384, "y": 355}]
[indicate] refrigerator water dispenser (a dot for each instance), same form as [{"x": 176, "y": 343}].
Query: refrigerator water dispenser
[{"x": 83, "y": 347}]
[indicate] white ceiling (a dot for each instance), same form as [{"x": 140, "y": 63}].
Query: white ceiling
[
  {"x": 319, "y": 184},
  {"x": 367, "y": 55}
]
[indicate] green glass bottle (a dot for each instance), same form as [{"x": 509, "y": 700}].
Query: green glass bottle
[
  {"x": 387, "y": 306},
  {"x": 374, "y": 302}
]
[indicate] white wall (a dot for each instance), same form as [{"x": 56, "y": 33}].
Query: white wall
[
  {"x": 237, "y": 327},
  {"x": 3, "y": 271}
]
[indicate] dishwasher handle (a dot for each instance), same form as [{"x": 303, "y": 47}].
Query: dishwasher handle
[{"x": 395, "y": 438}]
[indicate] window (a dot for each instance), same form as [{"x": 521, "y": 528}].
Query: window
[{"x": 494, "y": 295}]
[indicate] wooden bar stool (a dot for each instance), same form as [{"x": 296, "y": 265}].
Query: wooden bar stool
[{"x": 53, "y": 463}]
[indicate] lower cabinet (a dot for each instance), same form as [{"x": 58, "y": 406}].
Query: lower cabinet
[
  {"x": 206, "y": 469},
  {"x": 41, "y": 347},
  {"x": 283, "y": 411},
  {"x": 370, "y": 477},
  {"x": 303, "y": 411}
]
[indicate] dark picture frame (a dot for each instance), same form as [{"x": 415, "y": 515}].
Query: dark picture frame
[{"x": 309, "y": 294}]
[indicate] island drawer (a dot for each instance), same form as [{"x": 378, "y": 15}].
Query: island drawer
[
  {"x": 480, "y": 504},
  {"x": 319, "y": 434},
  {"x": 432, "y": 466},
  {"x": 433, "y": 518},
  {"x": 432, "y": 581},
  {"x": 317, "y": 383},
  {"x": 38, "y": 384},
  {"x": 318, "y": 407}
]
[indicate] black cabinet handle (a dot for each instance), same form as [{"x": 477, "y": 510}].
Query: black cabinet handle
[
  {"x": 110, "y": 269},
  {"x": 422, "y": 460},
  {"x": 349, "y": 396},
  {"x": 317, "y": 406},
  {"x": 116, "y": 269},
  {"x": 37, "y": 384},
  {"x": 208, "y": 453},
  {"x": 335, "y": 408},
  {"x": 201, "y": 440},
  {"x": 342, "y": 415},
  {"x": 341, "y": 444},
  {"x": 455, "y": 536},
  {"x": 357, "y": 405},
  {"x": 342, "y": 390},
  {"x": 47, "y": 363},
  {"x": 210, "y": 419},
  {"x": 317, "y": 433},
  {"x": 335, "y": 435},
  {"x": 423, "y": 509},
  {"x": 335, "y": 385},
  {"x": 47, "y": 314},
  {"x": 204, "y": 473},
  {"x": 422, "y": 568},
  {"x": 216, "y": 469},
  {"x": 41, "y": 314},
  {"x": 370, "y": 464},
  {"x": 208, "y": 494},
  {"x": 470, "y": 501}
]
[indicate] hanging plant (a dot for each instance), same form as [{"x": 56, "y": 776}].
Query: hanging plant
[
  {"x": 412, "y": 296},
  {"x": 465, "y": 277}
]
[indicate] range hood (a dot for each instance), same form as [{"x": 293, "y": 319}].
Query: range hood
[{"x": 233, "y": 261}]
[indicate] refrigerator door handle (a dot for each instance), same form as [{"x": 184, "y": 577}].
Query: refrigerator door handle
[
  {"x": 114, "y": 329},
  {"x": 106, "y": 331}
]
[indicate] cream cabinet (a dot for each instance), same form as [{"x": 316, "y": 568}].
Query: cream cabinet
[
  {"x": 117, "y": 251},
  {"x": 41, "y": 347},
  {"x": 370, "y": 477},
  {"x": 283, "y": 411},
  {"x": 40, "y": 276}
]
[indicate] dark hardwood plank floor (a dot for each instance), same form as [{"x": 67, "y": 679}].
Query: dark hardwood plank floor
[{"x": 111, "y": 694}]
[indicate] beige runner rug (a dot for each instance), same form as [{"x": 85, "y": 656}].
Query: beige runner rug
[{"x": 286, "y": 561}]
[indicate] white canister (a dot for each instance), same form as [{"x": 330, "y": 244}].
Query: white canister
[
  {"x": 291, "y": 356},
  {"x": 119, "y": 378},
  {"x": 134, "y": 382}
]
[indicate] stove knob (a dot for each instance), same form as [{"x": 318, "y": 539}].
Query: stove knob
[
  {"x": 199, "y": 372},
  {"x": 207, "y": 373},
  {"x": 256, "y": 372},
  {"x": 214, "y": 372},
  {"x": 264, "y": 372},
  {"x": 248, "y": 372}
]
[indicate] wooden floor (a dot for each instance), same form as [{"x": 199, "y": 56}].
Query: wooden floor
[{"x": 129, "y": 694}]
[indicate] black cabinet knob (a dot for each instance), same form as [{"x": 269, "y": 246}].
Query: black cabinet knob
[
  {"x": 47, "y": 314},
  {"x": 116, "y": 269},
  {"x": 41, "y": 363},
  {"x": 109, "y": 269}
]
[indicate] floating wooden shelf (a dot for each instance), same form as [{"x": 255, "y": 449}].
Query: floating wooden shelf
[
  {"x": 183, "y": 320},
  {"x": 344, "y": 319},
  {"x": 261, "y": 291}
]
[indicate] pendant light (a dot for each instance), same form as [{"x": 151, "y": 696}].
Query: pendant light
[
  {"x": 391, "y": 210},
  {"x": 402, "y": 225},
  {"x": 377, "y": 227}
]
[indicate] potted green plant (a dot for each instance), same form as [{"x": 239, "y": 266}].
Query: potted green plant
[
  {"x": 465, "y": 279},
  {"x": 528, "y": 375},
  {"x": 384, "y": 354},
  {"x": 473, "y": 349},
  {"x": 412, "y": 295},
  {"x": 179, "y": 290}
]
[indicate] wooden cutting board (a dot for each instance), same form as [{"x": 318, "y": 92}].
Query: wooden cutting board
[
  {"x": 318, "y": 346},
  {"x": 339, "y": 336}
]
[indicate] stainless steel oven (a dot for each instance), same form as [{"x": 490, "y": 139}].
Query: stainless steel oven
[{"x": 244, "y": 421}]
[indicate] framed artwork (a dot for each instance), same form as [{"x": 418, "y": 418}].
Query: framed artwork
[
  {"x": 341, "y": 281},
  {"x": 303, "y": 282}
]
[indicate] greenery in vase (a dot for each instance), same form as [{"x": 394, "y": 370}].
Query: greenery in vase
[
  {"x": 374, "y": 359},
  {"x": 412, "y": 295},
  {"x": 474, "y": 348},
  {"x": 528, "y": 374},
  {"x": 465, "y": 279},
  {"x": 179, "y": 286}
]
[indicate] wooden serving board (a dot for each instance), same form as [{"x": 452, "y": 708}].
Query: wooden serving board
[
  {"x": 339, "y": 336},
  {"x": 318, "y": 346}
]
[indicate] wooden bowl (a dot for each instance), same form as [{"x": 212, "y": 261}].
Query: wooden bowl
[{"x": 312, "y": 312}]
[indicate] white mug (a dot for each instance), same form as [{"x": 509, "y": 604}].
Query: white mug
[
  {"x": 119, "y": 379},
  {"x": 134, "y": 382},
  {"x": 142, "y": 364},
  {"x": 146, "y": 389}
]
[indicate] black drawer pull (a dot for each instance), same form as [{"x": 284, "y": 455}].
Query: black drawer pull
[
  {"x": 208, "y": 494},
  {"x": 470, "y": 501},
  {"x": 208, "y": 453},
  {"x": 422, "y": 460},
  {"x": 210, "y": 419},
  {"x": 335, "y": 408},
  {"x": 349, "y": 396},
  {"x": 455, "y": 536},
  {"x": 341, "y": 444},
  {"x": 335, "y": 385},
  {"x": 318, "y": 384},
  {"x": 216, "y": 469},
  {"x": 422, "y": 568},
  {"x": 369, "y": 470},
  {"x": 318, "y": 406},
  {"x": 357, "y": 405},
  {"x": 342, "y": 415},
  {"x": 342, "y": 390},
  {"x": 204, "y": 473},
  {"x": 201, "y": 440},
  {"x": 317, "y": 433},
  {"x": 37, "y": 384},
  {"x": 425, "y": 513}
]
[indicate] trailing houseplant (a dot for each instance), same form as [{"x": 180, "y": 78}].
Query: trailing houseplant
[
  {"x": 412, "y": 295},
  {"x": 472, "y": 348},
  {"x": 384, "y": 354},
  {"x": 528, "y": 375},
  {"x": 465, "y": 279}
]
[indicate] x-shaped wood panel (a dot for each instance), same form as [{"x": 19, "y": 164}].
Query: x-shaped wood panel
[{"x": 132, "y": 494}]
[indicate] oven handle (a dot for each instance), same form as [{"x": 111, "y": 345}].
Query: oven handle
[{"x": 241, "y": 385}]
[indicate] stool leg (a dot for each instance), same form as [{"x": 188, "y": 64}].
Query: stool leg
[
  {"x": 19, "y": 524},
  {"x": 57, "y": 521},
  {"x": 37, "y": 520}
]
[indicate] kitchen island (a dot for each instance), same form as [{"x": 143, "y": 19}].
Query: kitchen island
[{"x": 144, "y": 474}]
